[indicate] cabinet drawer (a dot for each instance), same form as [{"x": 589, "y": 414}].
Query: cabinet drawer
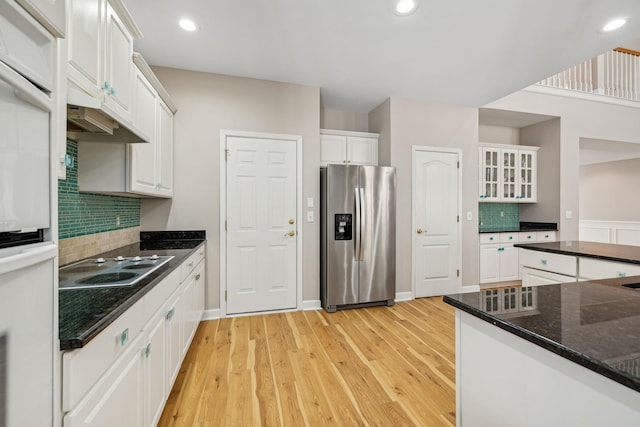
[
  {"x": 187, "y": 267},
  {"x": 489, "y": 238},
  {"x": 599, "y": 269},
  {"x": 160, "y": 293},
  {"x": 509, "y": 237},
  {"x": 527, "y": 237},
  {"x": 83, "y": 367},
  {"x": 561, "y": 264},
  {"x": 546, "y": 236}
]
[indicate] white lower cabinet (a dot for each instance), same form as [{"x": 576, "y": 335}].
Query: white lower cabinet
[
  {"x": 155, "y": 369},
  {"x": 117, "y": 398},
  {"x": 123, "y": 377},
  {"x": 593, "y": 269}
]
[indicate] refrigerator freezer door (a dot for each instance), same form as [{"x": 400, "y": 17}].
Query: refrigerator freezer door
[
  {"x": 377, "y": 271},
  {"x": 339, "y": 202}
]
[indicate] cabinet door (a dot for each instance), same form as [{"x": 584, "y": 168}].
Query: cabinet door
[
  {"x": 186, "y": 305},
  {"x": 174, "y": 342},
  {"x": 362, "y": 150},
  {"x": 118, "y": 398},
  {"x": 119, "y": 67},
  {"x": 527, "y": 180},
  {"x": 85, "y": 42},
  {"x": 143, "y": 156},
  {"x": 155, "y": 371},
  {"x": 165, "y": 152},
  {"x": 490, "y": 174},
  {"x": 509, "y": 263},
  {"x": 333, "y": 149},
  {"x": 489, "y": 263},
  {"x": 509, "y": 184}
]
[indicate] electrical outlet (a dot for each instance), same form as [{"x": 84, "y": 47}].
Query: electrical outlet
[
  {"x": 310, "y": 216},
  {"x": 469, "y": 216},
  {"x": 501, "y": 213},
  {"x": 117, "y": 220}
]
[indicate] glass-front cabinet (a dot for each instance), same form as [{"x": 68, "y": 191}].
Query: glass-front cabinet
[{"x": 508, "y": 173}]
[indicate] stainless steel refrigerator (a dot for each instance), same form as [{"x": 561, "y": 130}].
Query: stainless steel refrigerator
[{"x": 358, "y": 236}]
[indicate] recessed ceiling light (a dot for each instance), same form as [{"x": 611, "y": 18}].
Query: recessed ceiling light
[
  {"x": 405, "y": 7},
  {"x": 188, "y": 25},
  {"x": 614, "y": 24}
]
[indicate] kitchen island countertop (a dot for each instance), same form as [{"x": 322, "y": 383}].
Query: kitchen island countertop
[
  {"x": 84, "y": 313},
  {"x": 593, "y": 323},
  {"x": 603, "y": 251}
]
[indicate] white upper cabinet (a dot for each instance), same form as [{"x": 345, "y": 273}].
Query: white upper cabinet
[
  {"x": 85, "y": 38},
  {"x": 100, "y": 46},
  {"x": 135, "y": 169},
  {"x": 508, "y": 173},
  {"x": 50, "y": 13},
  {"x": 118, "y": 78},
  {"x": 355, "y": 148}
]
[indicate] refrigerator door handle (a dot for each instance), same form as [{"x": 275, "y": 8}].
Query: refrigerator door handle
[
  {"x": 356, "y": 227},
  {"x": 362, "y": 223}
]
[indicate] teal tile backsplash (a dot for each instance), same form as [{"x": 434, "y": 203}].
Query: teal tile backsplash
[
  {"x": 499, "y": 216},
  {"x": 81, "y": 214}
]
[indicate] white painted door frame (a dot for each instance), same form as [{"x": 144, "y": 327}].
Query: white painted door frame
[
  {"x": 414, "y": 150},
  {"x": 224, "y": 134}
]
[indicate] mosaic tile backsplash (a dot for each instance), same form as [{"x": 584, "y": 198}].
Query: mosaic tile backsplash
[
  {"x": 499, "y": 216},
  {"x": 81, "y": 214}
]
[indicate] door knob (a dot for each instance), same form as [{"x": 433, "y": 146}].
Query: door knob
[
  {"x": 420, "y": 231},
  {"x": 290, "y": 234},
  {"x": 291, "y": 221}
]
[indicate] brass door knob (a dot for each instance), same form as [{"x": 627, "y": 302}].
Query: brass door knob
[
  {"x": 419, "y": 231},
  {"x": 291, "y": 221},
  {"x": 290, "y": 234}
]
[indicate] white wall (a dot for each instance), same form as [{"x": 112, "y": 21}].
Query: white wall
[
  {"x": 545, "y": 135},
  {"x": 206, "y": 104},
  {"x": 380, "y": 123},
  {"x": 610, "y": 191},
  {"x": 498, "y": 134},
  {"x": 579, "y": 118},
  {"x": 418, "y": 123},
  {"x": 344, "y": 120}
]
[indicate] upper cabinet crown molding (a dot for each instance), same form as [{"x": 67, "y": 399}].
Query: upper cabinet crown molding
[
  {"x": 148, "y": 73},
  {"x": 124, "y": 14}
]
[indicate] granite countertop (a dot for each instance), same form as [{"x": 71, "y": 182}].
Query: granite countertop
[
  {"x": 604, "y": 251},
  {"x": 524, "y": 226},
  {"x": 84, "y": 313},
  {"x": 595, "y": 324}
]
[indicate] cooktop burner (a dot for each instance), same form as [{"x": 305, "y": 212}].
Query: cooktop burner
[{"x": 109, "y": 272}]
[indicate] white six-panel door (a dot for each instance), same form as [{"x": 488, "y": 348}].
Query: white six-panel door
[
  {"x": 261, "y": 208},
  {"x": 435, "y": 223}
]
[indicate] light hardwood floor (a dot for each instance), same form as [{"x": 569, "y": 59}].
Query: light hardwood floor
[{"x": 378, "y": 366}]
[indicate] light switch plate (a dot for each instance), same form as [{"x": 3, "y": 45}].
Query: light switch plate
[{"x": 309, "y": 202}]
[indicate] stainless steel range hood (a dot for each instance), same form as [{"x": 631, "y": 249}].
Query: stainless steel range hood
[{"x": 88, "y": 120}]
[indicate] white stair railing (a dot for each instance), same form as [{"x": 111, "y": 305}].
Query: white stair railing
[{"x": 615, "y": 74}]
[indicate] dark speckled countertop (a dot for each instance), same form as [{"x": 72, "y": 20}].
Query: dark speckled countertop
[
  {"x": 595, "y": 324},
  {"x": 84, "y": 313},
  {"x": 604, "y": 251}
]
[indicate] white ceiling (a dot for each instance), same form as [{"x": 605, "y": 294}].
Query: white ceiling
[{"x": 465, "y": 52}]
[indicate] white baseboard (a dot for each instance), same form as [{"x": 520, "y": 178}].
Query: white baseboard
[
  {"x": 313, "y": 304},
  {"x": 211, "y": 314},
  {"x": 404, "y": 296}
]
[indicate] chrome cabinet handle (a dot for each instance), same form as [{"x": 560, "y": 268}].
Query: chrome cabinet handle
[
  {"x": 543, "y": 261},
  {"x": 147, "y": 351},
  {"x": 198, "y": 276},
  {"x": 171, "y": 313}
]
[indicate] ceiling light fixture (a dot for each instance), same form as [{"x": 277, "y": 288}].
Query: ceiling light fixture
[
  {"x": 614, "y": 24},
  {"x": 405, "y": 7},
  {"x": 188, "y": 25}
]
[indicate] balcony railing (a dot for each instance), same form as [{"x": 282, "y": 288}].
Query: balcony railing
[{"x": 615, "y": 74}]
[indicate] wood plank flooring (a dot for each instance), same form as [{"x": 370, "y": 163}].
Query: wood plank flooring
[{"x": 378, "y": 366}]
